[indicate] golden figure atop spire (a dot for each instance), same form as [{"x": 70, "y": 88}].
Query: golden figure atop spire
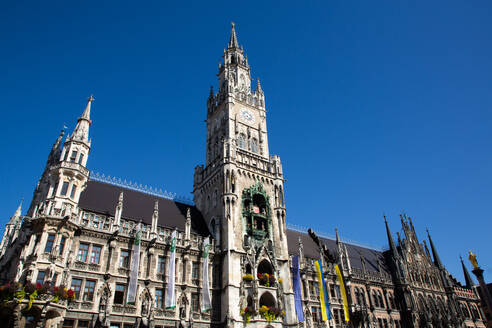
[
  {"x": 473, "y": 259},
  {"x": 91, "y": 98}
]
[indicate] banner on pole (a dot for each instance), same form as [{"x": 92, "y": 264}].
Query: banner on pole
[
  {"x": 323, "y": 293},
  {"x": 344, "y": 294},
  {"x": 132, "y": 286},
  {"x": 206, "y": 303},
  {"x": 296, "y": 283},
  {"x": 170, "y": 301}
]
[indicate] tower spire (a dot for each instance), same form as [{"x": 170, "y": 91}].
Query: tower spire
[
  {"x": 81, "y": 131},
  {"x": 233, "y": 39},
  {"x": 437, "y": 260},
  {"x": 18, "y": 212},
  {"x": 391, "y": 242},
  {"x": 468, "y": 278},
  {"x": 86, "y": 115}
]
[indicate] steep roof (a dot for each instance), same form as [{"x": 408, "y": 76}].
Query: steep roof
[
  {"x": 311, "y": 250},
  {"x": 102, "y": 198}
]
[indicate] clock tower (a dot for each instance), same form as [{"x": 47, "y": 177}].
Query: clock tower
[{"x": 239, "y": 191}]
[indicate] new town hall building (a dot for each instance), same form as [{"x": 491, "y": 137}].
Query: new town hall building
[{"x": 80, "y": 230}]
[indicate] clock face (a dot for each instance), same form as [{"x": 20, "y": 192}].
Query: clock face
[{"x": 247, "y": 116}]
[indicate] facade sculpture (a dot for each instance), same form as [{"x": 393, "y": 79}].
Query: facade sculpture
[{"x": 80, "y": 228}]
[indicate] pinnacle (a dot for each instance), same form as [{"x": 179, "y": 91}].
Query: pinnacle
[{"x": 233, "y": 39}]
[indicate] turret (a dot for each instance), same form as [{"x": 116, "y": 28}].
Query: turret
[
  {"x": 11, "y": 230},
  {"x": 391, "y": 243},
  {"x": 437, "y": 259},
  {"x": 68, "y": 177},
  {"x": 43, "y": 185},
  {"x": 468, "y": 279}
]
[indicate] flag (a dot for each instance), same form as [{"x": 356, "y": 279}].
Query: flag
[
  {"x": 206, "y": 303},
  {"x": 344, "y": 294},
  {"x": 296, "y": 283},
  {"x": 170, "y": 301},
  {"x": 323, "y": 293},
  {"x": 132, "y": 286}
]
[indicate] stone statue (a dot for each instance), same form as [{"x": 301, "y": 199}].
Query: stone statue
[
  {"x": 145, "y": 307},
  {"x": 473, "y": 259}
]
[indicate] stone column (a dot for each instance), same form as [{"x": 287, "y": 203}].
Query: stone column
[{"x": 478, "y": 272}]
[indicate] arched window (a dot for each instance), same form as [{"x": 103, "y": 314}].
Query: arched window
[
  {"x": 422, "y": 303},
  {"x": 212, "y": 228},
  {"x": 380, "y": 299},
  {"x": 241, "y": 141},
  {"x": 254, "y": 145},
  {"x": 475, "y": 312},
  {"x": 215, "y": 198},
  {"x": 356, "y": 294},
  {"x": 375, "y": 299},
  {"x": 248, "y": 269},
  {"x": 466, "y": 312},
  {"x": 363, "y": 296},
  {"x": 265, "y": 267},
  {"x": 267, "y": 299}
]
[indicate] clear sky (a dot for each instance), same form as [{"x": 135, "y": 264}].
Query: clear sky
[{"x": 373, "y": 106}]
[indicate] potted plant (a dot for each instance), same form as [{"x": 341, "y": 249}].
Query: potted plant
[{"x": 247, "y": 313}]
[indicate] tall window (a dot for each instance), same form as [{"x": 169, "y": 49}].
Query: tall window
[
  {"x": 161, "y": 264},
  {"x": 61, "y": 248},
  {"x": 83, "y": 250},
  {"x": 316, "y": 311},
  {"x": 194, "y": 272},
  {"x": 124, "y": 259},
  {"x": 158, "y": 298},
  {"x": 95, "y": 254},
  {"x": 41, "y": 276},
  {"x": 241, "y": 141},
  {"x": 74, "y": 156},
  {"x": 119, "y": 294},
  {"x": 53, "y": 279},
  {"x": 254, "y": 145},
  {"x": 332, "y": 291},
  {"x": 83, "y": 324},
  {"x": 72, "y": 193},
  {"x": 81, "y": 158},
  {"x": 89, "y": 290},
  {"x": 76, "y": 283},
  {"x": 195, "y": 306},
  {"x": 55, "y": 188},
  {"x": 64, "y": 189},
  {"x": 68, "y": 323},
  {"x": 313, "y": 290},
  {"x": 49, "y": 243}
]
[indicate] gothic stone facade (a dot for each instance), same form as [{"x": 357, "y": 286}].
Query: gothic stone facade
[{"x": 80, "y": 228}]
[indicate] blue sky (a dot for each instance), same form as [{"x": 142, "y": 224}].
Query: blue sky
[{"x": 373, "y": 106}]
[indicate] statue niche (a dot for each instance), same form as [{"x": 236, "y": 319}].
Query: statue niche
[{"x": 256, "y": 212}]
